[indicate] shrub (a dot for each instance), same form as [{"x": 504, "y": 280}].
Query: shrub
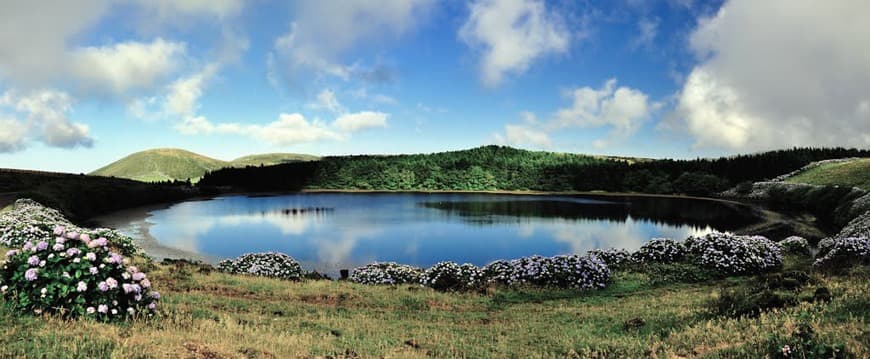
[
  {"x": 29, "y": 221},
  {"x": 614, "y": 258},
  {"x": 268, "y": 264},
  {"x": 731, "y": 254},
  {"x": 386, "y": 273},
  {"x": 75, "y": 275},
  {"x": 804, "y": 343},
  {"x": 668, "y": 273},
  {"x": 795, "y": 245},
  {"x": 660, "y": 250},
  {"x": 449, "y": 276},
  {"x": 844, "y": 253},
  {"x": 565, "y": 271},
  {"x": 768, "y": 292}
]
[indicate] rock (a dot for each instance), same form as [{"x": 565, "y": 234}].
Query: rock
[
  {"x": 857, "y": 227},
  {"x": 633, "y": 323}
]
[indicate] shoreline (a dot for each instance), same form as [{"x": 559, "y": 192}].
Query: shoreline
[{"x": 135, "y": 220}]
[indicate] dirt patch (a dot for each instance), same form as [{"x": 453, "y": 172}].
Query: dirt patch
[
  {"x": 201, "y": 351},
  {"x": 327, "y": 299}
]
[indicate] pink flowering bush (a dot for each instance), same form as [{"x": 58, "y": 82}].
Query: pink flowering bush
[
  {"x": 75, "y": 275},
  {"x": 29, "y": 221}
]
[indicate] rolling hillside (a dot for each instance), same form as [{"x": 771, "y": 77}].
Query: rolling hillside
[
  {"x": 167, "y": 164},
  {"x": 854, "y": 173},
  {"x": 267, "y": 159}
]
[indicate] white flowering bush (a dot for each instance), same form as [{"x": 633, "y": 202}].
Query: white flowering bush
[
  {"x": 563, "y": 271},
  {"x": 29, "y": 221},
  {"x": 795, "y": 245},
  {"x": 844, "y": 253},
  {"x": 660, "y": 250},
  {"x": 386, "y": 273},
  {"x": 75, "y": 275},
  {"x": 732, "y": 254},
  {"x": 449, "y": 276},
  {"x": 825, "y": 246},
  {"x": 613, "y": 257},
  {"x": 267, "y": 264}
]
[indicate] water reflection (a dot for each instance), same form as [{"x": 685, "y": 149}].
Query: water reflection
[{"x": 420, "y": 229}]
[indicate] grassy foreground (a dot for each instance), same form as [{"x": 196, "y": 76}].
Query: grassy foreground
[
  {"x": 852, "y": 174},
  {"x": 214, "y": 315}
]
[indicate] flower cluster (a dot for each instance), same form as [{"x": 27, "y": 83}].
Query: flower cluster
[
  {"x": 613, "y": 257},
  {"x": 29, "y": 221},
  {"x": 386, "y": 273},
  {"x": 75, "y": 275},
  {"x": 563, "y": 271},
  {"x": 660, "y": 250},
  {"x": 268, "y": 264},
  {"x": 844, "y": 252},
  {"x": 733, "y": 254},
  {"x": 449, "y": 276},
  {"x": 795, "y": 245}
]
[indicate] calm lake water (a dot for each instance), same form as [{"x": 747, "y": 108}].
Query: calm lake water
[{"x": 328, "y": 232}]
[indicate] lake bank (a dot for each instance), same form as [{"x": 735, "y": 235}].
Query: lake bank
[{"x": 330, "y": 240}]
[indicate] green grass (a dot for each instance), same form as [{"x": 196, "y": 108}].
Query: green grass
[
  {"x": 168, "y": 164},
  {"x": 853, "y": 174},
  {"x": 219, "y": 315}
]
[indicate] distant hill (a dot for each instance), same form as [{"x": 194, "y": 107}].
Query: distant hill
[
  {"x": 168, "y": 164},
  {"x": 268, "y": 159},
  {"x": 853, "y": 173}
]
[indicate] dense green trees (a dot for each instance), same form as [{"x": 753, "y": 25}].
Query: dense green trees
[{"x": 505, "y": 168}]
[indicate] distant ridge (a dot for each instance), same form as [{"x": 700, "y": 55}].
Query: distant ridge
[{"x": 170, "y": 164}]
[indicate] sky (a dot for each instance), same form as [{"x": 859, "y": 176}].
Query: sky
[{"x": 84, "y": 83}]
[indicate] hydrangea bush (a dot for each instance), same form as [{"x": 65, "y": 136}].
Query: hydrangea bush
[
  {"x": 449, "y": 276},
  {"x": 732, "y": 254},
  {"x": 564, "y": 271},
  {"x": 386, "y": 273},
  {"x": 795, "y": 245},
  {"x": 75, "y": 275},
  {"x": 660, "y": 250},
  {"x": 29, "y": 221},
  {"x": 614, "y": 258},
  {"x": 268, "y": 264},
  {"x": 845, "y": 252}
]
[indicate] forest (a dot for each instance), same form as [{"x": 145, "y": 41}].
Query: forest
[{"x": 505, "y": 168}]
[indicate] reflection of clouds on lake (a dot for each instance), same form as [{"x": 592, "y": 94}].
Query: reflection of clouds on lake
[
  {"x": 526, "y": 230},
  {"x": 288, "y": 225},
  {"x": 335, "y": 252},
  {"x": 583, "y": 236}
]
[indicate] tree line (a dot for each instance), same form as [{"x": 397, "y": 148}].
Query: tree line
[{"x": 506, "y": 168}]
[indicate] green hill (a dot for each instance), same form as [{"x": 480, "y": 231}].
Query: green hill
[
  {"x": 854, "y": 173},
  {"x": 267, "y": 159},
  {"x": 167, "y": 164}
]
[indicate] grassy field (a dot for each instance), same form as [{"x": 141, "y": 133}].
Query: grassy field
[
  {"x": 214, "y": 315},
  {"x": 175, "y": 164},
  {"x": 853, "y": 174}
]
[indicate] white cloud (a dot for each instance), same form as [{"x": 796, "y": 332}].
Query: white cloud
[
  {"x": 512, "y": 34},
  {"x": 126, "y": 66},
  {"x": 796, "y": 79},
  {"x": 647, "y": 32},
  {"x": 323, "y": 31},
  {"x": 326, "y": 100},
  {"x": 353, "y": 122},
  {"x": 523, "y": 135},
  {"x": 45, "y": 120},
  {"x": 168, "y": 9},
  {"x": 289, "y": 129},
  {"x": 623, "y": 109},
  {"x": 12, "y": 138}
]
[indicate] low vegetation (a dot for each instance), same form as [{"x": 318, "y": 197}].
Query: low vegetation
[{"x": 849, "y": 173}]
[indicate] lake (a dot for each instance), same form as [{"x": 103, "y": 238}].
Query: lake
[{"x": 331, "y": 231}]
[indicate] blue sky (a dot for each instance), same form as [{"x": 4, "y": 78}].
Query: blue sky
[{"x": 85, "y": 83}]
